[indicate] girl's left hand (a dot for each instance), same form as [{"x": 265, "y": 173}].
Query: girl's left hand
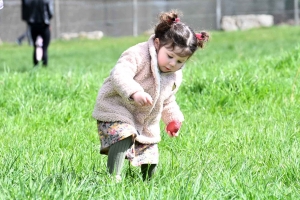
[
  {"x": 173, "y": 128},
  {"x": 173, "y": 134}
]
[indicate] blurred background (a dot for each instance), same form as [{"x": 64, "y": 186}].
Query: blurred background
[{"x": 134, "y": 17}]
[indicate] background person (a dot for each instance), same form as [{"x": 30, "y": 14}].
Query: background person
[
  {"x": 38, "y": 14},
  {"x": 25, "y": 16},
  {"x": 26, "y": 34},
  {"x": 140, "y": 91}
]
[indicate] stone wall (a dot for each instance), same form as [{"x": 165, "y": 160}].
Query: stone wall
[{"x": 244, "y": 22}]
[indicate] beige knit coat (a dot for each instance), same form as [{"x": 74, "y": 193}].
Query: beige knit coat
[{"x": 137, "y": 70}]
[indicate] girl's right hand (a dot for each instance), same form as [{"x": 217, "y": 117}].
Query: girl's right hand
[{"x": 142, "y": 98}]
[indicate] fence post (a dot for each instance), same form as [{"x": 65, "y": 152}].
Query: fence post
[
  {"x": 57, "y": 19},
  {"x": 296, "y": 12},
  {"x": 135, "y": 18},
  {"x": 218, "y": 14}
]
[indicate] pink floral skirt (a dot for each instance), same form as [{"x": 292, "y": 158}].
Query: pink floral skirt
[{"x": 112, "y": 132}]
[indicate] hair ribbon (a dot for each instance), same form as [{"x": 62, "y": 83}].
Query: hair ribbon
[{"x": 200, "y": 36}]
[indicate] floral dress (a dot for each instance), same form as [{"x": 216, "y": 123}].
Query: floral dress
[{"x": 112, "y": 132}]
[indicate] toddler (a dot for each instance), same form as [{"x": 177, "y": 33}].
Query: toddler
[{"x": 140, "y": 92}]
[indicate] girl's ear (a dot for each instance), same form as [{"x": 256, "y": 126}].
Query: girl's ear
[{"x": 156, "y": 43}]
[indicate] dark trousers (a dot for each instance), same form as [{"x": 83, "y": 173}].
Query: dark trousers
[
  {"x": 42, "y": 30},
  {"x": 26, "y": 34}
]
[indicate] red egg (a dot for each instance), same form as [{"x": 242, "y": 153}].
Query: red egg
[{"x": 174, "y": 126}]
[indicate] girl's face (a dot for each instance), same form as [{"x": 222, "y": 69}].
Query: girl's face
[{"x": 168, "y": 60}]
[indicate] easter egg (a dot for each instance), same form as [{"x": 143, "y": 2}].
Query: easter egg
[{"x": 173, "y": 126}]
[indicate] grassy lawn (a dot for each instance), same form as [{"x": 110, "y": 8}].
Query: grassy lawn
[{"x": 240, "y": 138}]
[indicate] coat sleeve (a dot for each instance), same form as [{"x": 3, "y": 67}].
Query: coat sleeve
[
  {"x": 50, "y": 9},
  {"x": 25, "y": 10},
  {"x": 122, "y": 76},
  {"x": 171, "y": 110}
]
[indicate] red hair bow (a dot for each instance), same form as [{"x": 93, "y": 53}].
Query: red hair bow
[
  {"x": 172, "y": 20},
  {"x": 200, "y": 36}
]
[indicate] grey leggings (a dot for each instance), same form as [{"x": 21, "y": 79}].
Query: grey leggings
[{"x": 116, "y": 157}]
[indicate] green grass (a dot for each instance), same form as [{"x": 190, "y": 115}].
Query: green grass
[{"x": 240, "y": 138}]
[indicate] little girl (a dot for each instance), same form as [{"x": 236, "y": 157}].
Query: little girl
[{"x": 140, "y": 91}]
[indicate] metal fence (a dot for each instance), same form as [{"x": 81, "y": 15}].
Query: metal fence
[{"x": 134, "y": 17}]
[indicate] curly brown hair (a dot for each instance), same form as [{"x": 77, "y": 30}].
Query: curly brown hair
[{"x": 172, "y": 33}]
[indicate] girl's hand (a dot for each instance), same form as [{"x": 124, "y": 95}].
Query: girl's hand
[
  {"x": 172, "y": 134},
  {"x": 142, "y": 98},
  {"x": 173, "y": 128}
]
